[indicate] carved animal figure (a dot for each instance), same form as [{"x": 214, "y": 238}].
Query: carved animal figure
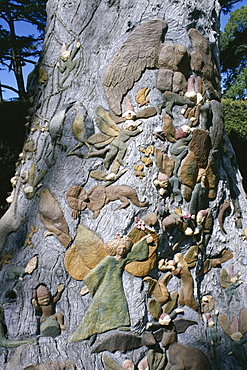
[
  {"x": 179, "y": 151},
  {"x": 158, "y": 289},
  {"x": 171, "y": 221},
  {"x": 82, "y": 128},
  {"x": 98, "y": 196},
  {"x": 171, "y": 99},
  {"x": 180, "y": 268}
]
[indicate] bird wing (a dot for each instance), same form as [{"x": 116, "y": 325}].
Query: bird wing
[{"x": 139, "y": 51}]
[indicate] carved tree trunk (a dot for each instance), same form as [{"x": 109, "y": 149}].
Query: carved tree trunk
[{"x": 89, "y": 169}]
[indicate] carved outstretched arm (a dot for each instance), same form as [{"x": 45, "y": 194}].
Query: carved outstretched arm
[
  {"x": 60, "y": 289},
  {"x": 75, "y": 50}
]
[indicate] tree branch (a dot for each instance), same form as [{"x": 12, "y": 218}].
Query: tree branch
[{"x": 10, "y": 88}]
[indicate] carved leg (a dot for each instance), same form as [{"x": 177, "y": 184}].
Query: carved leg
[
  {"x": 60, "y": 320},
  {"x": 121, "y": 153},
  {"x": 110, "y": 157},
  {"x": 125, "y": 202}
]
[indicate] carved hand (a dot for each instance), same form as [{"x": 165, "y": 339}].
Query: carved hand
[
  {"x": 75, "y": 214},
  {"x": 149, "y": 239},
  {"x": 60, "y": 288}
]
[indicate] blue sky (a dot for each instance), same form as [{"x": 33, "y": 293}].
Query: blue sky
[{"x": 23, "y": 28}]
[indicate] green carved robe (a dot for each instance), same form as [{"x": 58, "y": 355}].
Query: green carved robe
[{"x": 108, "y": 309}]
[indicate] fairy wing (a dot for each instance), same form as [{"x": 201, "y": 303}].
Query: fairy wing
[
  {"x": 139, "y": 51},
  {"x": 108, "y": 129},
  {"x": 192, "y": 256},
  {"x": 142, "y": 268},
  {"x": 225, "y": 280},
  {"x": 87, "y": 252},
  {"x": 99, "y": 140},
  {"x": 225, "y": 324},
  {"x": 105, "y": 123}
]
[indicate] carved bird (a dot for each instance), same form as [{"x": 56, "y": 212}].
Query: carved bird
[
  {"x": 82, "y": 127},
  {"x": 56, "y": 124}
]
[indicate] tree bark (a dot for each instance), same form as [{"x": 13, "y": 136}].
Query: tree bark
[{"x": 62, "y": 196}]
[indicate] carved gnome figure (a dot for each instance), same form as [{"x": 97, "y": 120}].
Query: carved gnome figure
[{"x": 51, "y": 323}]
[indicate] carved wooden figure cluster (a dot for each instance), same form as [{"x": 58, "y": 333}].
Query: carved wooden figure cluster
[{"x": 165, "y": 141}]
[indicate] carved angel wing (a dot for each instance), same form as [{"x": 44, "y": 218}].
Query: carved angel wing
[
  {"x": 105, "y": 123},
  {"x": 139, "y": 51}
]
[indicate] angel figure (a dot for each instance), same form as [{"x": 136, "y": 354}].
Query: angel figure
[
  {"x": 180, "y": 268},
  {"x": 109, "y": 309}
]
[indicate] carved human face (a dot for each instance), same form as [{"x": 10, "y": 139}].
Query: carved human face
[
  {"x": 129, "y": 114},
  {"x": 121, "y": 251},
  {"x": 129, "y": 125},
  {"x": 203, "y": 179},
  {"x": 44, "y": 301},
  {"x": 128, "y": 365}
]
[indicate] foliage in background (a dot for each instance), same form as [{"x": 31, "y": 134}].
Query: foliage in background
[
  {"x": 15, "y": 50},
  {"x": 12, "y": 136},
  {"x": 236, "y": 117},
  {"x": 236, "y": 128},
  {"x": 233, "y": 54},
  {"x": 226, "y": 5}
]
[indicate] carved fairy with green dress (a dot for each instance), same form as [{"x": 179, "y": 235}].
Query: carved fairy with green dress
[{"x": 101, "y": 269}]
